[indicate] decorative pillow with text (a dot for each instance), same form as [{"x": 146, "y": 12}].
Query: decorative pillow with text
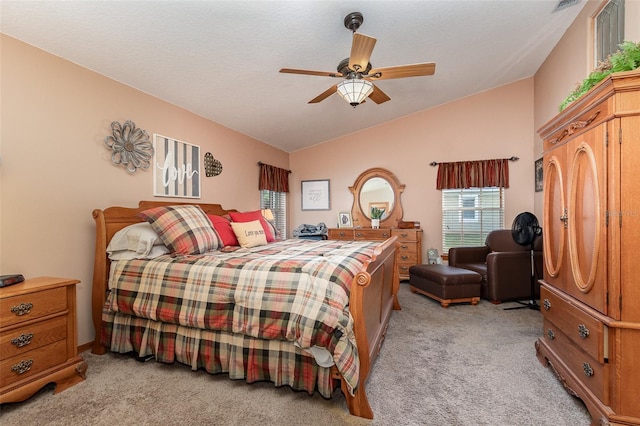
[{"x": 249, "y": 234}]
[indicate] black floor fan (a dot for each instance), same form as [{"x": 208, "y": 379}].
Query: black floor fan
[{"x": 524, "y": 230}]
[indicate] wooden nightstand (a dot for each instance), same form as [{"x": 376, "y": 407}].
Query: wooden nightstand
[{"x": 38, "y": 338}]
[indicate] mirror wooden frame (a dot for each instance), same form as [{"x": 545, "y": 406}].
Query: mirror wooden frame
[{"x": 360, "y": 219}]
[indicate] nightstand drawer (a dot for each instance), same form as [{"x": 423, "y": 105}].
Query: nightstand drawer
[
  {"x": 31, "y": 363},
  {"x": 28, "y": 338},
  {"x": 25, "y": 307}
]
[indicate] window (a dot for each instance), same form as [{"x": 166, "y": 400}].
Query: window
[
  {"x": 277, "y": 202},
  {"x": 609, "y": 30},
  {"x": 468, "y": 215}
]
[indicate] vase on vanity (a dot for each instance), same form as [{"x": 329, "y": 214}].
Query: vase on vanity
[{"x": 375, "y": 223}]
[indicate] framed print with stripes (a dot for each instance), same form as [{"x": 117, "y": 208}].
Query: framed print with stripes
[{"x": 176, "y": 168}]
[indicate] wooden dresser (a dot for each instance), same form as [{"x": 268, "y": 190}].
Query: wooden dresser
[
  {"x": 590, "y": 293},
  {"x": 409, "y": 243},
  {"x": 38, "y": 342}
]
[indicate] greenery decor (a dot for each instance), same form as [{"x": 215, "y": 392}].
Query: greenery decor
[
  {"x": 625, "y": 59},
  {"x": 376, "y": 213}
]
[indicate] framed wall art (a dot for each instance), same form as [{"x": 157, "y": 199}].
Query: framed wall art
[
  {"x": 176, "y": 168},
  {"x": 315, "y": 194},
  {"x": 538, "y": 168}
]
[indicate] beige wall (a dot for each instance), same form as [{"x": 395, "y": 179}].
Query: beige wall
[
  {"x": 568, "y": 64},
  {"x": 493, "y": 124},
  {"x": 55, "y": 168}
]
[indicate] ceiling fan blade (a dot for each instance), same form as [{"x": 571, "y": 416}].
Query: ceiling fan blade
[
  {"x": 361, "y": 49},
  {"x": 402, "y": 71},
  {"x": 310, "y": 72},
  {"x": 378, "y": 96},
  {"x": 324, "y": 95}
]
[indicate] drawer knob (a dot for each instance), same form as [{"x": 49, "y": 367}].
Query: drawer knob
[
  {"x": 358, "y": 234},
  {"x": 403, "y": 257},
  {"x": 404, "y": 235},
  {"x": 583, "y": 331},
  {"x": 588, "y": 371},
  {"x": 22, "y": 340},
  {"x": 551, "y": 334},
  {"x": 547, "y": 304},
  {"x": 385, "y": 235},
  {"x": 22, "y": 309},
  {"x": 404, "y": 247},
  {"x": 23, "y": 366}
]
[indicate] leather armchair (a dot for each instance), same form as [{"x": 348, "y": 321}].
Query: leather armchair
[{"x": 505, "y": 266}]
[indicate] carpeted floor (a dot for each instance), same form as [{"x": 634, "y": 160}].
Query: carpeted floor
[{"x": 464, "y": 365}]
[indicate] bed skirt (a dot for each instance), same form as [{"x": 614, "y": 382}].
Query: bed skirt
[{"x": 241, "y": 357}]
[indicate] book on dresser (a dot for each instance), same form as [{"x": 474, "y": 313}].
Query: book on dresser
[{"x": 589, "y": 294}]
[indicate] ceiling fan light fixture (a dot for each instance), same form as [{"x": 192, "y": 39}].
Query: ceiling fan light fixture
[{"x": 355, "y": 90}]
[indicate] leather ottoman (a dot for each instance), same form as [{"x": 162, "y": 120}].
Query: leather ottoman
[{"x": 445, "y": 283}]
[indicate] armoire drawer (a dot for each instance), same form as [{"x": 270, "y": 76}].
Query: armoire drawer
[
  {"x": 585, "y": 368},
  {"x": 340, "y": 234},
  {"x": 584, "y": 330}
]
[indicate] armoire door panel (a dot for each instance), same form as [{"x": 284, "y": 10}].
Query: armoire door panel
[
  {"x": 586, "y": 230},
  {"x": 555, "y": 218}
]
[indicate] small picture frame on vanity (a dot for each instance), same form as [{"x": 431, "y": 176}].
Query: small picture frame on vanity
[{"x": 344, "y": 220}]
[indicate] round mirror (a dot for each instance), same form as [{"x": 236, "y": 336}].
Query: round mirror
[
  {"x": 379, "y": 188},
  {"x": 377, "y": 193}
]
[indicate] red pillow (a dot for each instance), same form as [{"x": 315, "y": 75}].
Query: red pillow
[
  {"x": 250, "y": 217},
  {"x": 224, "y": 230}
]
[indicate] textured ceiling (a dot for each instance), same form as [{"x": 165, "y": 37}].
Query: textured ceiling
[{"x": 220, "y": 59}]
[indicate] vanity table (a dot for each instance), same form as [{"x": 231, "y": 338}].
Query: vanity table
[{"x": 380, "y": 188}]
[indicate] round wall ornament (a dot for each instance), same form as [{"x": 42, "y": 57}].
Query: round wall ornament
[{"x": 131, "y": 146}]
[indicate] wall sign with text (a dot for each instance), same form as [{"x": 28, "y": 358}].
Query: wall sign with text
[{"x": 176, "y": 168}]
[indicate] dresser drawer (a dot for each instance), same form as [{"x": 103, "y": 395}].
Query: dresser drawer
[
  {"x": 406, "y": 234},
  {"x": 372, "y": 234},
  {"x": 32, "y": 362},
  {"x": 407, "y": 257},
  {"x": 584, "y": 330},
  {"x": 585, "y": 368},
  {"x": 25, "y": 307},
  {"x": 20, "y": 340},
  {"x": 340, "y": 234}
]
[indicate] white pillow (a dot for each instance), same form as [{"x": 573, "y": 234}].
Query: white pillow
[
  {"x": 130, "y": 254},
  {"x": 139, "y": 238}
]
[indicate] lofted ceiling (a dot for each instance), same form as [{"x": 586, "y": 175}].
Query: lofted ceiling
[{"x": 220, "y": 59}]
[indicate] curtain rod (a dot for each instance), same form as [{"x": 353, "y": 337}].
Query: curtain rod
[
  {"x": 260, "y": 163},
  {"x": 514, "y": 158}
]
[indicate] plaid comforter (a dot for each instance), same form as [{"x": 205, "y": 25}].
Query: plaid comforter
[{"x": 293, "y": 290}]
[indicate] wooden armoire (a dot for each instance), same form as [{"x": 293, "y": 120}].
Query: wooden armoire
[{"x": 590, "y": 293}]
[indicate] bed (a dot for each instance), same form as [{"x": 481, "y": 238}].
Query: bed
[{"x": 155, "y": 307}]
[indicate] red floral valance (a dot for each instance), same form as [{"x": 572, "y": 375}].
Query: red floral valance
[
  {"x": 273, "y": 178},
  {"x": 473, "y": 174}
]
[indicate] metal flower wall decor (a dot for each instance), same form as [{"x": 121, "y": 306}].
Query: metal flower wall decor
[{"x": 131, "y": 146}]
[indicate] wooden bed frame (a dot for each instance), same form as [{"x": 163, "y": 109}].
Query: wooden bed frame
[{"x": 373, "y": 295}]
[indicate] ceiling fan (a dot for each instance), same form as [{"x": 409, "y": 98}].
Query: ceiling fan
[{"x": 357, "y": 72}]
